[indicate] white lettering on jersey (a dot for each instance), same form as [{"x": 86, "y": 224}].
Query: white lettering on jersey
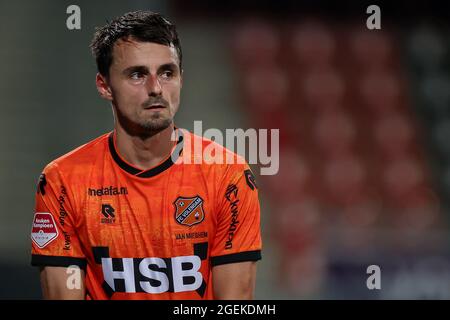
[
  {"x": 184, "y": 269},
  {"x": 127, "y": 274},
  {"x": 156, "y": 275},
  {"x": 179, "y": 274}
]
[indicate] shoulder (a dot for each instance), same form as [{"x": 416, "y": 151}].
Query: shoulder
[
  {"x": 210, "y": 154},
  {"x": 218, "y": 163},
  {"x": 76, "y": 161}
]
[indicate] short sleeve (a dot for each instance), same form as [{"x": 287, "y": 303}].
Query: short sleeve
[
  {"x": 238, "y": 233},
  {"x": 54, "y": 238}
]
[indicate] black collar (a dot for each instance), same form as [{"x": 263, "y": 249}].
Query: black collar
[{"x": 151, "y": 172}]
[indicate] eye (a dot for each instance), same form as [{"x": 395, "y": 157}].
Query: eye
[
  {"x": 167, "y": 74},
  {"x": 136, "y": 75}
]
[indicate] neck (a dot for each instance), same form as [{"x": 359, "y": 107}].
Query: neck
[{"x": 144, "y": 153}]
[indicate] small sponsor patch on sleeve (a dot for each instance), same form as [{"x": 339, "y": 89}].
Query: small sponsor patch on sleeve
[{"x": 44, "y": 229}]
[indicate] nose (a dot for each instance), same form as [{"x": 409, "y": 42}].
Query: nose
[{"x": 153, "y": 86}]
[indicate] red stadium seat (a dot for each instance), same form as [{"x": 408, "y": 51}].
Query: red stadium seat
[
  {"x": 343, "y": 179},
  {"x": 313, "y": 45},
  {"x": 255, "y": 43},
  {"x": 265, "y": 89},
  {"x": 370, "y": 50},
  {"x": 380, "y": 92},
  {"x": 351, "y": 162},
  {"x": 418, "y": 209},
  {"x": 294, "y": 181},
  {"x": 401, "y": 176},
  {"x": 393, "y": 135},
  {"x": 361, "y": 209},
  {"x": 265, "y": 95},
  {"x": 322, "y": 89},
  {"x": 334, "y": 133},
  {"x": 296, "y": 222}
]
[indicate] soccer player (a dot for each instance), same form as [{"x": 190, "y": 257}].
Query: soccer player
[{"x": 139, "y": 211}]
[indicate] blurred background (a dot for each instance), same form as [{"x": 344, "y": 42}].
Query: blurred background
[{"x": 363, "y": 115}]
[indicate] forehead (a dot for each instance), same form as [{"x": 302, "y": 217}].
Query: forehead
[{"x": 131, "y": 52}]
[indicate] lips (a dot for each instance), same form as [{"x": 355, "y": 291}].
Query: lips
[{"x": 155, "y": 106}]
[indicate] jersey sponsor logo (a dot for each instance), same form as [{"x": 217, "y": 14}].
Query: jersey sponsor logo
[
  {"x": 41, "y": 184},
  {"x": 154, "y": 274},
  {"x": 44, "y": 229},
  {"x": 67, "y": 241},
  {"x": 191, "y": 235},
  {"x": 108, "y": 213},
  {"x": 62, "y": 209},
  {"x": 232, "y": 197},
  {"x": 250, "y": 178},
  {"x": 107, "y": 191},
  {"x": 189, "y": 211}
]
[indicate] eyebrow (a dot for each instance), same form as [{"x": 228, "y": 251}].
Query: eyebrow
[
  {"x": 168, "y": 66},
  {"x": 129, "y": 70},
  {"x": 143, "y": 69}
]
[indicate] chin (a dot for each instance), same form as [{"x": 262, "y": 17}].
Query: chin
[{"x": 156, "y": 125}]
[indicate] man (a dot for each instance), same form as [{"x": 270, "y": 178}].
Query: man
[{"x": 135, "y": 209}]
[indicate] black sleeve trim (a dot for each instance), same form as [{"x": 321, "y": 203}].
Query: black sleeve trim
[
  {"x": 236, "y": 257},
  {"x": 56, "y": 261}
]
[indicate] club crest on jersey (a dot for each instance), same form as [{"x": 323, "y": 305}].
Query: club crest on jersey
[{"x": 189, "y": 211}]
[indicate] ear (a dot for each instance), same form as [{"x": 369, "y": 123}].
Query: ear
[{"x": 102, "y": 86}]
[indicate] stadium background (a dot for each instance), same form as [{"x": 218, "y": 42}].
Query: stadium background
[{"x": 363, "y": 115}]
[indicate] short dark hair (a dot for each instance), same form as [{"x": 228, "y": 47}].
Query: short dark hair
[{"x": 145, "y": 26}]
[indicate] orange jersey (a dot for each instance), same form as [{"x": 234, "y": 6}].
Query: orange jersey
[{"x": 153, "y": 234}]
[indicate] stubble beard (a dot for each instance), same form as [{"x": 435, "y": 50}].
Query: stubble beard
[
  {"x": 156, "y": 124},
  {"x": 143, "y": 128}
]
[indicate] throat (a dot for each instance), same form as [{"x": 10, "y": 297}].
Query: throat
[{"x": 145, "y": 154}]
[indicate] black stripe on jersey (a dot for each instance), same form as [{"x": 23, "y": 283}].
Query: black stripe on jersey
[
  {"x": 201, "y": 250},
  {"x": 166, "y": 164},
  {"x": 202, "y": 289},
  {"x": 57, "y": 261},
  {"x": 125, "y": 166},
  {"x": 151, "y": 172},
  {"x": 236, "y": 257}
]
